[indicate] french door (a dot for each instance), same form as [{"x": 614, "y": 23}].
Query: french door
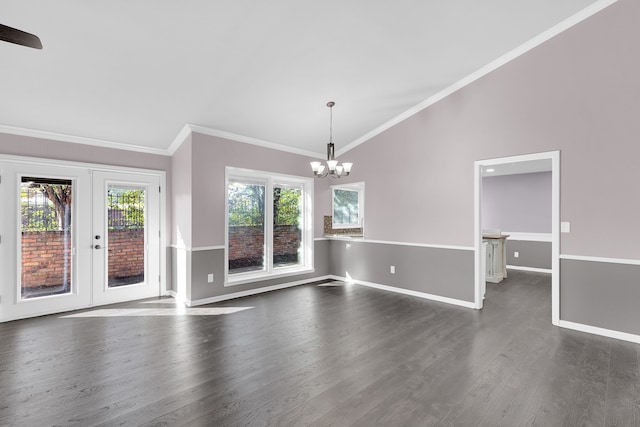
[
  {"x": 126, "y": 237},
  {"x": 72, "y": 237}
]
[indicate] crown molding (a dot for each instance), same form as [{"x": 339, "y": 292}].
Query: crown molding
[
  {"x": 182, "y": 136},
  {"x": 492, "y": 66},
  {"x": 14, "y": 130},
  {"x": 250, "y": 140}
]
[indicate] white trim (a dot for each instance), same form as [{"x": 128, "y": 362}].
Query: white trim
[
  {"x": 479, "y": 276},
  {"x": 179, "y": 246},
  {"x": 534, "y": 269},
  {"x": 554, "y": 156},
  {"x": 13, "y": 130},
  {"x": 180, "y": 138},
  {"x": 600, "y": 331},
  {"x": 164, "y": 280},
  {"x": 529, "y": 237},
  {"x": 217, "y": 247},
  {"x": 250, "y": 292},
  {"x": 206, "y": 248},
  {"x": 243, "y": 279},
  {"x": 438, "y": 298},
  {"x": 601, "y": 259},
  {"x": 492, "y": 66},
  {"x": 195, "y": 248},
  {"x": 385, "y": 242},
  {"x": 253, "y": 141},
  {"x": 357, "y": 187},
  {"x": 317, "y": 239}
]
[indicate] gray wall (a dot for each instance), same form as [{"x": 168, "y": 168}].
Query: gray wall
[
  {"x": 211, "y": 155},
  {"x": 442, "y": 272},
  {"x": 204, "y": 262},
  {"x": 520, "y": 202},
  {"x": 199, "y": 210},
  {"x": 601, "y": 294},
  {"x": 532, "y": 254},
  {"x": 577, "y": 93}
]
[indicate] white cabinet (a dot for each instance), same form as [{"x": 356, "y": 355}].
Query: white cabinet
[{"x": 496, "y": 264}]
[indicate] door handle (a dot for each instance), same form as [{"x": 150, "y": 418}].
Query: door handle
[{"x": 98, "y": 247}]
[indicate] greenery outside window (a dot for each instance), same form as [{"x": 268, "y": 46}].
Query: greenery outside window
[
  {"x": 348, "y": 205},
  {"x": 269, "y": 222}
]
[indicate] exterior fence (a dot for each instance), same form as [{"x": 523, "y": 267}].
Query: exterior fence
[
  {"x": 43, "y": 253},
  {"x": 246, "y": 246}
]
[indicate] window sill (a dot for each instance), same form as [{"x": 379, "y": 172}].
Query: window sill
[{"x": 242, "y": 279}]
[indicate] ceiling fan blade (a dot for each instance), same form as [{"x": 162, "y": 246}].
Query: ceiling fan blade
[{"x": 13, "y": 35}]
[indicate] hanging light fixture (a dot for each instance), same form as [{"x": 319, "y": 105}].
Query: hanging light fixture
[{"x": 332, "y": 168}]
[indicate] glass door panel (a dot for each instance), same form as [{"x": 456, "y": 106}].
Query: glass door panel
[
  {"x": 126, "y": 235},
  {"x": 46, "y": 236}
]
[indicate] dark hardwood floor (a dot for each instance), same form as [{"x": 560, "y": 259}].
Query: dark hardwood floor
[{"x": 318, "y": 355}]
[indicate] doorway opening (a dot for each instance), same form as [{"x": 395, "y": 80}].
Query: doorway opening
[{"x": 519, "y": 163}]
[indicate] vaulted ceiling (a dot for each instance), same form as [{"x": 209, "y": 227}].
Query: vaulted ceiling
[{"x": 135, "y": 72}]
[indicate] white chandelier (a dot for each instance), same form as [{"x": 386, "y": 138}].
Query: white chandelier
[{"x": 332, "y": 168}]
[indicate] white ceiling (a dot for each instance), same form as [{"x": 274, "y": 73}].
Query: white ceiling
[{"x": 135, "y": 72}]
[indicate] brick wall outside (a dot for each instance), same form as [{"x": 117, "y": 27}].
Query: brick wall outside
[
  {"x": 42, "y": 255},
  {"x": 43, "y": 252},
  {"x": 246, "y": 245},
  {"x": 126, "y": 253}
]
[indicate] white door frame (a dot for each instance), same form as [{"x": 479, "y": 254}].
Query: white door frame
[
  {"x": 102, "y": 293},
  {"x": 13, "y": 305},
  {"x": 7, "y": 315},
  {"x": 554, "y": 156}
]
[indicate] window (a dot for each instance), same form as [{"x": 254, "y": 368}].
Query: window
[
  {"x": 348, "y": 205},
  {"x": 269, "y": 225}
]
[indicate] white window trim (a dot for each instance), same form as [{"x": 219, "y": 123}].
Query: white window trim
[
  {"x": 356, "y": 186},
  {"x": 270, "y": 272}
]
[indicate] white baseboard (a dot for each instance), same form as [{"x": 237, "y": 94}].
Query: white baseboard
[
  {"x": 600, "y": 331},
  {"x": 461, "y": 303},
  {"x": 250, "y": 292},
  {"x": 534, "y": 269}
]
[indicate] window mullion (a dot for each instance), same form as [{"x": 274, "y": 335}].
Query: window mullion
[{"x": 268, "y": 233}]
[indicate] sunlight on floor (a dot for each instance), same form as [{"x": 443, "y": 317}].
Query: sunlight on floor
[
  {"x": 140, "y": 312},
  {"x": 168, "y": 301}
]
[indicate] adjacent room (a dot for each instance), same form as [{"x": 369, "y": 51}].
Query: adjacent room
[{"x": 298, "y": 213}]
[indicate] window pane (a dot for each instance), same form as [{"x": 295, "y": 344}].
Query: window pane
[
  {"x": 246, "y": 227},
  {"x": 125, "y": 217},
  {"x": 287, "y": 232},
  {"x": 46, "y": 241},
  {"x": 345, "y": 207}
]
